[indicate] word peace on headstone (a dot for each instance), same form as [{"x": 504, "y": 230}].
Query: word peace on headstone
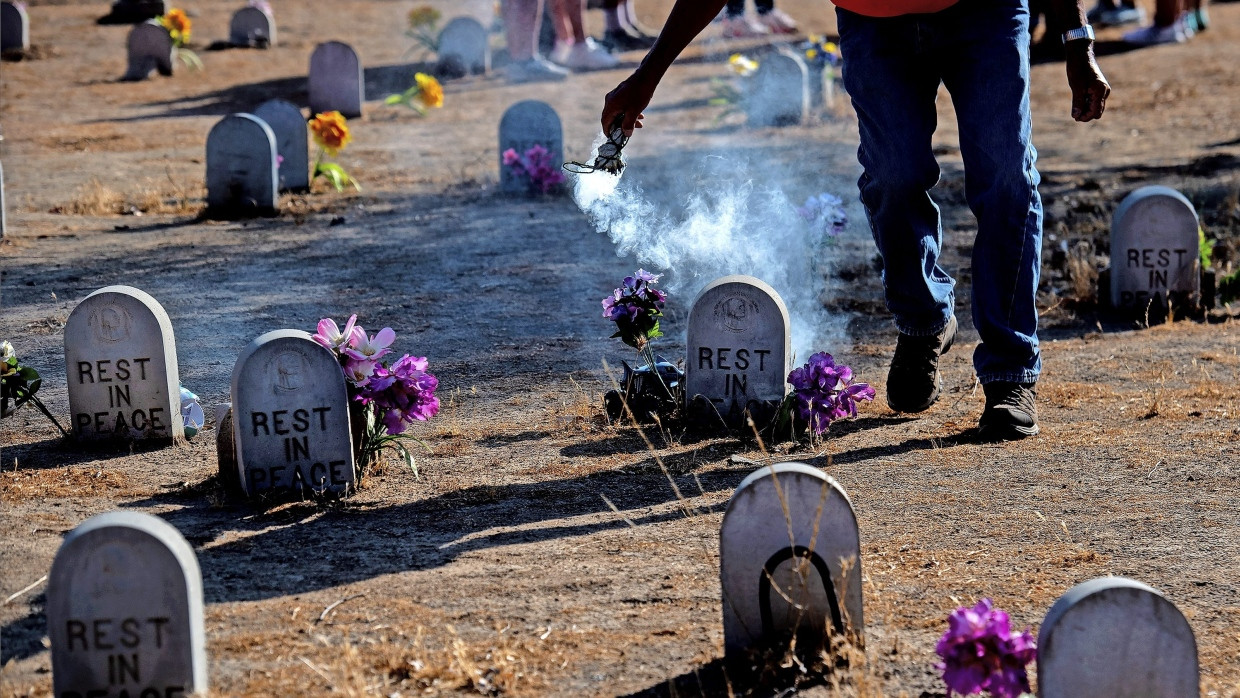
[
  {"x": 150, "y": 48},
  {"x": 336, "y": 80},
  {"x": 14, "y": 27},
  {"x": 242, "y": 174},
  {"x": 292, "y": 143},
  {"x": 779, "y": 92},
  {"x": 739, "y": 347},
  {"x": 121, "y": 366},
  {"x": 789, "y": 560},
  {"x": 124, "y": 611},
  {"x": 252, "y": 26},
  {"x": 1114, "y": 637},
  {"x": 524, "y": 125},
  {"x": 1154, "y": 250},
  {"x": 464, "y": 47},
  {"x": 290, "y": 415}
]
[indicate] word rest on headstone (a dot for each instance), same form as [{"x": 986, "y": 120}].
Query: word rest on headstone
[
  {"x": 1155, "y": 255},
  {"x": 789, "y": 561},
  {"x": 336, "y": 80},
  {"x": 290, "y": 416},
  {"x": 242, "y": 171},
  {"x": 121, "y": 366},
  {"x": 464, "y": 47},
  {"x": 739, "y": 347},
  {"x": 1114, "y": 637},
  {"x": 253, "y": 27},
  {"x": 779, "y": 93},
  {"x": 124, "y": 611},
  {"x": 292, "y": 143},
  {"x": 14, "y": 27},
  {"x": 150, "y": 48},
  {"x": 524, "y": 125}
]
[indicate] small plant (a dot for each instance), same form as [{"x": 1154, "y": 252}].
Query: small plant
[
  {"x": 980, "y": 653},
  {"x": 425, "y": 94},
  {"x": 18, "y": 385},
  {"x": 822, "y": 392},
  {"x": 652, "y": 389},
  {"x": 424, "y": 28},
  {"x": 331, "y": 133},
  {"x": 179, "y": 28},
  {"x": 537, "y": 168},
  {"x": 821, "y": 53}
]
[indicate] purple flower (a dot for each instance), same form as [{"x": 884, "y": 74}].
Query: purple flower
[
  {"x": 825, "y": 213},
  {"x": 636, "y": 307},
  {"x": 536, "y": 166},
  {"x": 402, "y": 393},
  {"x": 980, "y": 653},
  {"x": 824, "y": 391}
]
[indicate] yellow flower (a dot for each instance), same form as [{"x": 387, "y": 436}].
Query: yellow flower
[
  {"x": 424, "y": 16},
  {"x": 331, "y": 131},
  {"x": 811, "y": 53},
  {"x": 430, "y": 92},
  {"x": 742, "y": 65},
  {"x": 178, "y": 25},
  {"x": 831, "y": 47}
]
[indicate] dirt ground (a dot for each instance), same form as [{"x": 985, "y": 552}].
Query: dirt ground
[{"x": 502, "y": 568}]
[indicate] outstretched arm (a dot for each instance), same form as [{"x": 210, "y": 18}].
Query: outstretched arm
[
  {"x": 688, "y": 19},
  {"x": 1089, "y": 88}
]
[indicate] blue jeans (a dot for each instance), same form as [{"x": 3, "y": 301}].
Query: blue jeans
[{"x": 978, "y": 49}]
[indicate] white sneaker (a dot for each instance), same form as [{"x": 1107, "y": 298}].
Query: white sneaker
[
  {"x": 586, "y": 55},
  {"x": 1153, "y": 34},
  {"x": 743, "y": 28},
  {"x": 778, "y": 22}
]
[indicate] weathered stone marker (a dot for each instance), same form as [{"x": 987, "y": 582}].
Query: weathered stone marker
[
  {"x": 739, "y": 347},
  {"x": 121, "y": 366},
  {"x": 1154, "y": 250},
  {"x": 336, "y": 80},
  {"x": 124, "y": 611},
  {"x": 464, "y": 47},
  {"x": 292, "y": 143},
  {"x": 150, "y": 48},
  {"x": 1113, "y": 637},
  {"x": 252, "y": 26},
  {"x": 811, "y": 555},
  {"x": 290, "y": 415},
  {"x": 779, "y": 92},
  {"x": 14, "y": 27},
  {"x": 524, "y": 125},
  {"x": 242, "y": 174}
]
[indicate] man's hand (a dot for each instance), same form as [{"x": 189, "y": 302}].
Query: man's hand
[
  {"x": 629, "y": 99},
  {"x": 1089, "y": 88}
]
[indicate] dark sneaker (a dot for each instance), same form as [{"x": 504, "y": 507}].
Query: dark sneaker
[
  {"x": 1010, "y": 412},
  {"x": 913, "y": 383}
]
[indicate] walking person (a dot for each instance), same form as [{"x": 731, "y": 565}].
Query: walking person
[{"x": 769, "y": 20}]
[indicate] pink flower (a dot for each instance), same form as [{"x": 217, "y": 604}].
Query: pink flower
[
  {"x": 331, "y": 336},
  {"x": 359, "y": 372},
  {"x": 363, "y": 349},
  {"x": 510, "y": 157}
]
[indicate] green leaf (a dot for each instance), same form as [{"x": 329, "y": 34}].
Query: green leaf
[{"x": 394, "y": 99}]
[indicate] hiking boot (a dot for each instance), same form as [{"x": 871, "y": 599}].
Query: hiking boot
[
  {"x": 1010, "y": 412},
  {"x": 913, "y": 382}
]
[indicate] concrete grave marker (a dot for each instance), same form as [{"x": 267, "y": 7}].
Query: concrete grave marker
[
  {"x": 739, "y": 346},
  {"x": 121, "y": 365},
  {"x": 252, "y": 26},
  {"x": 150, "y": 48},
  {"x": 1154, "y": 250},
  {"x": 14, "y": 27},
  {"x": 336, "y": 80},
  {"x": 464, "y": 47},
  {"x": 761, "y": 565},
  {"x": 290, "y": 416},
  {"x": 1113, "y": 637},
  {"x": 523, "y": 126},
  {"x": 779, "y": 93},
  {"x": 124, "y": 610},
  {"x": 242, "y": 174},
  {"x": 292, "y": 143}
]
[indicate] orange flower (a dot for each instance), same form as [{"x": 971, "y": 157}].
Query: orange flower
[
  {"x": 430, "y": 92},
  {"x": 178, "y": 25},
  {"x": 331, "y": 131}
]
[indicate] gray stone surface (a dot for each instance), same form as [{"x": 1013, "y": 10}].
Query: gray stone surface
[
  {"x": 291, "y": 416},
  {"x": 336, "y": 80},
  {"x": 14, "y": 27},
  {"x": 292, "y": 142},
  {"x": 1154, "y": 249},
  {"x": 763, "y": 552},
  {"x": 739, "y": 345},
  {"x": 464, "y": 47},
  {"x": 121, "y": 366},
  {"x": 778, "y": 94},
  {"x": 1116, "y": 638},
  {"x": 242, "y": 174},
  {"x": 252, "y": 26},
  {"x": 226, "y": 447},
  {"x": 150, "y": 48},
  {"x": 523, "y": 125},
  {"x": 124, "y": 610}
]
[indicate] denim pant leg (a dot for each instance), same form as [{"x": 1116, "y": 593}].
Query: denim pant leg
[
  {"x": 986, "y": 70},
  {"x": 893, "y": 80}
]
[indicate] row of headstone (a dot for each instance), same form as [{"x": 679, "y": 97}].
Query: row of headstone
[
  {"x": 150, "y": 48},
  {"x": 464, "y": 48},
  {"x": 252, "y": 27},
  {"x": 251, "y": 158},
  {"x": 14, "y": 27},
  {"x": 335, "y": 80}
]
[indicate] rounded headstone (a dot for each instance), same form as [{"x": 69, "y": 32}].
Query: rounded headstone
[
  {"x": 1155, "y": 250},
  {"x": 150, "y": 48},
  {"x": 464, "y": 47},
  {"x": 242, "y": 171},
  {"x": 252, "y": 26},
  {"x": 778, "y": 93},
  {"x": 1114, "y": 637},
  {"x": 121, "y": 367},
  {"x": 524, "y": 125},
  {"x": 292, "y": 143},
  {"x": 124, "y": 610},
  {"x": 336, "y": 80},
  {"x": 14, "y": 27}
]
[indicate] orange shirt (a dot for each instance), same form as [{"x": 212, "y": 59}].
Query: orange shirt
[{"x": 893, "y": 8}]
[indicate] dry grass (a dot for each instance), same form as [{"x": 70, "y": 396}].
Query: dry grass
[
  {"x": 148, "y": 196},
  {"x": 64, "y": 482}
]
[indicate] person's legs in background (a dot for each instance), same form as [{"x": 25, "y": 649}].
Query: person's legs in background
[
  {"x": 621, "y": 30},
  {"x": 573, "y": 49},
  {"x": 1169, "y": 26},
  {"x": 521, "y": 18},
  {"x": 773, "y": 18},
  {"x": 737, "y": 26}
]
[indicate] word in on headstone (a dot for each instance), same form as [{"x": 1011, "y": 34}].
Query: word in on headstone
[
  {"x": 1154, "y": 250},
  {"x": 779, "y": 93},
  {"x": 292, "y": 143},
  {"x": 253, "y": 27},
  {"x": 524, "y": 125},
  {"x": 14, "y": 27},
  {"x": 150, "y": 48},
  {"x": 336, "y": 80},
  {"x": 464, "y": 47},
  {"x": 242, "y": 173}
]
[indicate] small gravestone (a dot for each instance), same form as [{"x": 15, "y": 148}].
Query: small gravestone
[
  {"x": 121, "y": 365},
  {"x": 131, "y": 11},
  {"x": 336, "y": 80},
  {"x": 14, "y": 27},
  {"x": 242, "y": 174},
  {"x": 464, "y": 47},
  {"x": 290, "y": 415},
  {"x": 523, "y": 126},
  {"x": 124, "y": 611},
  {"x": 253, "y": 27},
  {"x": 739, "y": 348},
  {"x": 778, "y": 93},
  {"x": 150, "y": 48},
  {"x": 1155, "y": 253},
  {"x": 1114, "y": 638},
  {"x": 292, "y": 143},
  {"x": 789, "y": 561}
]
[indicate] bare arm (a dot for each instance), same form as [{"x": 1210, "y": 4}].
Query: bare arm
[{"x": 1089, "y": 87}]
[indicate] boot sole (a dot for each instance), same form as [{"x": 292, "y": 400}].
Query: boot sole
[{"x": 1006, "y": 432}]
